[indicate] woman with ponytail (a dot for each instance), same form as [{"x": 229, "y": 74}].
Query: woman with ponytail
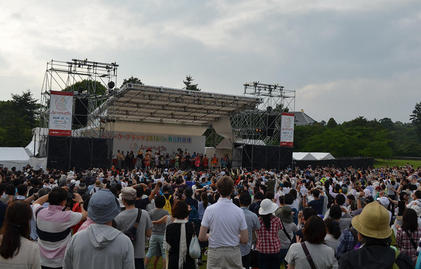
[{"x": 16, "y": 250}]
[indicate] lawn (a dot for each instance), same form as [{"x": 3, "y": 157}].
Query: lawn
[{"x": 378, "y": 163}]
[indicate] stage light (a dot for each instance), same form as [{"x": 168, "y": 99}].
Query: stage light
[{"x": 111, "y": 85}]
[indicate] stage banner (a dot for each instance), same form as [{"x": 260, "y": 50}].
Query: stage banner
[
  {"x": 60, "y": 121},
  {"x": 287, "y": 130},
  {"x": 157, "y": 143}
]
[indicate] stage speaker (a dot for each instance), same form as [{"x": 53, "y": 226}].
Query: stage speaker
[
  {"x": 80, "y": 117},
  {"x": 58, "y": 150},
  {"x": 271, "y": 124}
]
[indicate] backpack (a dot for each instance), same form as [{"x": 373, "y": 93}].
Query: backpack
[
  {"x": 402, "y": 261},
  {"x": 167, "y": 205}
]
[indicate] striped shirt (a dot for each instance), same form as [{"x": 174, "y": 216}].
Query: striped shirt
[{"x": 53, "y": 227}]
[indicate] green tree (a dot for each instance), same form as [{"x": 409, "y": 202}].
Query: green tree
[
  {"x": 18, "y": 117},
  {"x": 415, "y": 118},
  {"x": 91, "y": 86},
  {"x": 189, "y": 84},
  {"x": 133, "y": 80},
  {"x": 331, "y": 123}
]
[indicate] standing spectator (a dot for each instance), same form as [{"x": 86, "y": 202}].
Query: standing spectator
[
  {"x": 268, "y": 243},
  {"x": 16, "y": 248},
  {"x": 228, "y": 228},
  {"x": 409, "y": 234},
  {"x": 253, "y": 225},
  {"x": 374, "y": 231},
  {"x": 289, "y": 229},
  {"x": 333, "y": 232},
  {"x": 318, "y": 253},
  {"x": 126, "y": 219},
  {"x": 156, "y": 242},
  {"x": 317, "y": 203},
  {"x": 178, "y": 237},
  {"x": 100, "y": 245},
  {"x": 54, "y": 226}
]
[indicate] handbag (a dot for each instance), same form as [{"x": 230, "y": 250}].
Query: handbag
[
  {"x": 131, "y": 232},
  {"x": 194, "y": 248}
]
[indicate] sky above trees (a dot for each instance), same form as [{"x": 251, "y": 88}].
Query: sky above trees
[{"x": 345, "y": 58}]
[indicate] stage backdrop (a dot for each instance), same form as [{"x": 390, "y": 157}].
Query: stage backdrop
[{"x": 163, "y": 143}]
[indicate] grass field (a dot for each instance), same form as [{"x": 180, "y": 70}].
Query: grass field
[{"x": 378, "y": 163}]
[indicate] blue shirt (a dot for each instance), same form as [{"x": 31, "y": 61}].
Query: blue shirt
[{"x": 253, "y": 224}]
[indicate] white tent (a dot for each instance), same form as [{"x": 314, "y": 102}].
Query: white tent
[
  {"x": 312, "y": 156},
  {"x": 303, "y": 156},
  {"x": 13, "y": 157},
  {"x": 321, "y": 156}
]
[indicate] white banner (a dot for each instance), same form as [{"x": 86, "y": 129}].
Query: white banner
[
  {"x": 61, "y": 105},
  {"x": 162, "y": 143},
  {"x": 287, "y": 129}
]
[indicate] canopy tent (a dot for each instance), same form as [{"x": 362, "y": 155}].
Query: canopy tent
[
  {"x": 14, "y": 157},
  {"x": 150, "y": 104},
  {"x": 312, "y": 156}
]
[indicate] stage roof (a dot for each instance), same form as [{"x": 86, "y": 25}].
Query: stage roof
[{"x": 151, "y": 104}]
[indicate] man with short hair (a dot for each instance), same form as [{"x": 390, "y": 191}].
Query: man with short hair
[
  {"x": 100, "y": 245},
  {"x": 53, "y": 226},
  {"x": 127, "y": 218},
  {"x": 228, "y": 228},
  {"x": 156, "y": 242},
  {"x": 253, "y": 224}
]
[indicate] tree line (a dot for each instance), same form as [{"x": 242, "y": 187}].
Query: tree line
[{"x": 362, "y": 137}]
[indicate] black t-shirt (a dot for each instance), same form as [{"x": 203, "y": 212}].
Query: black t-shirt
[
  {"x": 317, "y": 205},
  {"x": 142, "y": 203}
]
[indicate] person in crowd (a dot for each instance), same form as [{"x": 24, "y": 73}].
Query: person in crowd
[
  {"x": 268, "y": 243},
  {"x": 333, "y": 232},
  {"x": 178, "y": 236},
  {"x": 375, "y": 233},
  {"x": 289, "y": 229},
  {"x": 100, "y": 245},
  {"x": 253, "y": 225},
  {"x": 16, "y": 249},
  {"x": 312, "y": 253},
  {"x": 54, "y": 225},
  {"x": 408, "y": 235},
  {"x": 156, "y": 242},
  {"x": 127, "y": 218},
  {"x": 303, "y": 216},
  {"x": 228, "y": 228},
  {"x": 316, "y": 203}
]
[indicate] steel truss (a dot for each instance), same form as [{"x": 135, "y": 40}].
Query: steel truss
[
  {"x": 261, "y": 126},
  {"x": 61, "y": 75}
]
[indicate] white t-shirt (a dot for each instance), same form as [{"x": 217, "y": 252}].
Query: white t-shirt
[{"x": 225, "y": 221}]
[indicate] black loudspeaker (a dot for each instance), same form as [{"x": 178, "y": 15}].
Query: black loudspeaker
[
  {"x": 271, "y": 124},
  {"x": 80, "y": 117},
  {"x": 58, "y": 150},
  {"x": 267, "y": 157},
  {"x": 65, "y": 153},
  {"x": 81, "y": 153}
]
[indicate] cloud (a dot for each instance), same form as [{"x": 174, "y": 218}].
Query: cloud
[{"x": 320, "y": 47}]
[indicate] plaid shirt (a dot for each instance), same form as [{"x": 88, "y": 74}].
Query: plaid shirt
[
  {"x": 404, "y": 243},
  {"x": 347, "y": 242},
  {"x": 268, "y": 240}
]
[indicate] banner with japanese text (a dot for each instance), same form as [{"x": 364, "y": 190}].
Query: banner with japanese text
[
  {"x": 287, "y": 130},
  {"x": 60, "y": 121}
]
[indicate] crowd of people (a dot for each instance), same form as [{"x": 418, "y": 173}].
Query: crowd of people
[
  {"x": 178, "y": 160},
  {"x": 158, "y": 217}
]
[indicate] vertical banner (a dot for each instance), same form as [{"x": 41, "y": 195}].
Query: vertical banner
[
  {"x": 60, "y": 121},
  {"x": 287, "y": 130}
]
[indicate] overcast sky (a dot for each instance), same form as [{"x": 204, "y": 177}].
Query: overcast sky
[{"x": 344, "y": 58}]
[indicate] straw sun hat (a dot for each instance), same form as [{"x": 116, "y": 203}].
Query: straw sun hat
[{"x": 373, "y": 221}]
